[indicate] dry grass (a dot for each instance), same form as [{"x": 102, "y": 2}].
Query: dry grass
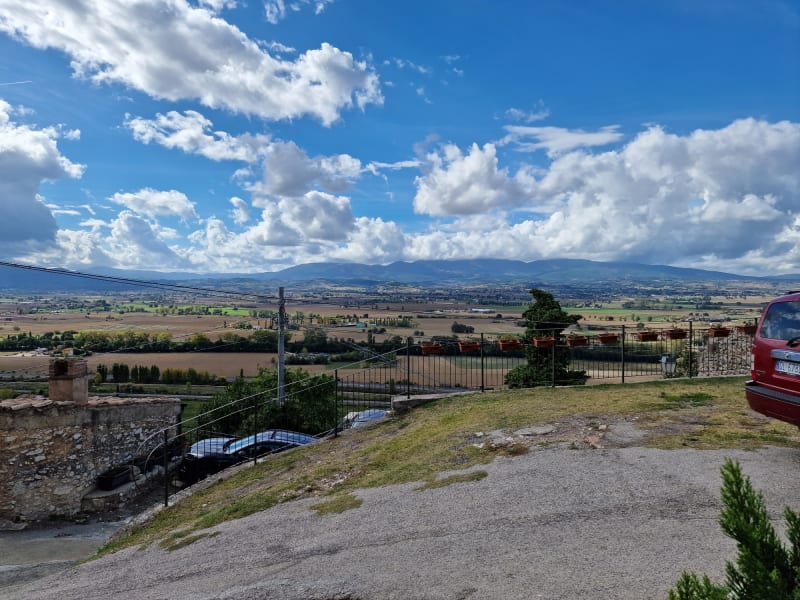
[{"x": 337, "y": 504}]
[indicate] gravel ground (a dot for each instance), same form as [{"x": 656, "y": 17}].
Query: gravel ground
[{"x": 556, "y": 523}]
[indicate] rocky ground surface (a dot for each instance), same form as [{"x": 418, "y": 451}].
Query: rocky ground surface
[{"x": 582, "y": 512}]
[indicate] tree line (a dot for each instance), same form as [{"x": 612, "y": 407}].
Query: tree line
[
  {"x": 260, "y": 340},
  {"x": 122, "y": 373}
]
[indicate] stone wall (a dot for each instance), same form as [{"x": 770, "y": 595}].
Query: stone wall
[{"x": 52, "y": 452}]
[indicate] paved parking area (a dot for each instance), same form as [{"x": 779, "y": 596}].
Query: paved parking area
[{"x": 553, "y": 524}]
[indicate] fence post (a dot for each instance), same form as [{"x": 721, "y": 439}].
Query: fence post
[
  {"x": 336, "y": 403},
  {"x": 691, "y": 357},
  {"x": 165, "y": 463},
  {"x": 408, "y": 367},
  {"x": 255, "y": 430},
  {"x": 622, "y": 351},
  {"x": 553, "y": 333},
  {"x": 483, "y": 389}
]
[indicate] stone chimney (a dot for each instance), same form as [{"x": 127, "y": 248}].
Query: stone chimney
[{"x": 69, "y": 380}]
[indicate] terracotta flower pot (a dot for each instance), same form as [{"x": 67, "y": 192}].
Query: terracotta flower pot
[
  {"x": 646, "y": 336},
  {"x": 675, "y": 334},
  {"x": 469, "y": 347},
  {"x": 719, "y": 332},
  {"x": 608, "y": 338},
  {"x": 749, "y": 329},
  {"x": 578, "y": 340},
  {"x": 509, "y": 345},
  {"x": 544, "y": 342},
  {"x": 428, "y": 349}
]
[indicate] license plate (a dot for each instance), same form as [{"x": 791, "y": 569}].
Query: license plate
[{"x": 784, "y": 366}]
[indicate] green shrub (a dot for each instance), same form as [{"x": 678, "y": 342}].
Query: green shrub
[
  {"x": 546, "y": 366},
  {"x": 764, "y": 568}
]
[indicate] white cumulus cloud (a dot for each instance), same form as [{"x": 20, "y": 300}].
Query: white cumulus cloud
[
  {"x": 288, "y": 171},
  {"x": 464, "y": 184},
  {"x": 373, "y": 241},
  {"x": 135, "y": 243},
  {"x": 29, "y": 156},
  {"x": 184, "y": 52},
  {"x": 720, "y": 198},
  {"x": 192, "y": 133},
  {"x": 240, "y": 211},
  {"x": 157, "y": 203}
]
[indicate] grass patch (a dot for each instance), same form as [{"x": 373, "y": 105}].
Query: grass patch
[
  {"x": 451, "y": 479},
  {"x": 440, "y": 437},
  {"x": 688, "y": 400},
  {"x": 337, "y": 504}
]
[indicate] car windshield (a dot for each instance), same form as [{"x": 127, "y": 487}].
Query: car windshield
[
  {"x": 782, "y": 321},
  {"x": 235, "y": 445},
  {"x": 291, "y": 438}
]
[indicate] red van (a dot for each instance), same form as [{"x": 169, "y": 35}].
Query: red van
[{"x": 775, "y": 386}]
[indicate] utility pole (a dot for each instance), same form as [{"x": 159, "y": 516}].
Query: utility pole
[{"x": 281, "y": 353}]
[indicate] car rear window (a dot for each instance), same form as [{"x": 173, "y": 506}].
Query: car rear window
[{"x": 781, "y": 321}]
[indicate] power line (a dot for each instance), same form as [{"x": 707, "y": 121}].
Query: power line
[
  {"x": 136, "y": 283},
  {"x": 139, "y": 282}
]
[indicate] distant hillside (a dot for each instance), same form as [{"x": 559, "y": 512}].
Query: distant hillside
[
  {"x": 495, "y": 270},
  {"x": 426, "y": 272}
]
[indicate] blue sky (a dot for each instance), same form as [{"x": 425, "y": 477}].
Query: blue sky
[{"x": 248, "y": 136}]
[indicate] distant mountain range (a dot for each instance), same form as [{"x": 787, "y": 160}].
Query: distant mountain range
[
  {"x": 494, "y": 270},
  {"x": 424, "y": 273}
]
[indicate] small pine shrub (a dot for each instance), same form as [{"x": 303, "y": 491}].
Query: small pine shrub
[{"x": 764, "y": 568}]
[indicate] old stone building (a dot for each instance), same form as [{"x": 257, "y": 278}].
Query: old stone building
[{"x": 53, "y": 449}]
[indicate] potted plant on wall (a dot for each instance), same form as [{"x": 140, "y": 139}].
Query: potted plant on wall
[
  {"x": 544, "y": 342},
  {"x": 431, "y": 348},
  {"x": 646, "y": 336},
  {"x": 717, "y": 331},
  {"x": 469, "y": 347},
  {"x": 577, "y": 340},
  {"x": 675, "y": 334},
  {"x": 608, "y": 338},
  {"x": 509, "y": 344}
]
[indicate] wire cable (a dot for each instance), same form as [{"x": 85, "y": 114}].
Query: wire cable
[{"x": 163, "y": 285}]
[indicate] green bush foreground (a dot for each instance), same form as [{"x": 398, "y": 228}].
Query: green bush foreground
[{"x": 764, "y": 568}]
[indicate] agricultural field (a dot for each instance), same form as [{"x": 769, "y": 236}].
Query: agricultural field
[{"x": 41, "y": 315}]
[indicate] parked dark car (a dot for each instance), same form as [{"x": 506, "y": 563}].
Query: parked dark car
[
  {"x": 215, "y": 454},
  {"x": 775, "y": 386}
]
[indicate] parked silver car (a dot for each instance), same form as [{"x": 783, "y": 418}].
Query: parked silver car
[
  {"x": 359, "y": 419},
  {"x": 215, "y": 454}
]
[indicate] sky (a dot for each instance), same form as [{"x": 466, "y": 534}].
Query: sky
[{"x": 242, "y": 136}]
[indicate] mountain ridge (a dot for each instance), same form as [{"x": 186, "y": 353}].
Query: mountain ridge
[{"x": 426, "y": 272}]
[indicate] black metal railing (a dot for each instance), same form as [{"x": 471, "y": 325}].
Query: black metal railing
[{"x": 443, "y": 366}]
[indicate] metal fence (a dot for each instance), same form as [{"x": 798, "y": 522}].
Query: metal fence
[
  {"x": 616, "y": 355},
  {"x": 444, "y": 365}
]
